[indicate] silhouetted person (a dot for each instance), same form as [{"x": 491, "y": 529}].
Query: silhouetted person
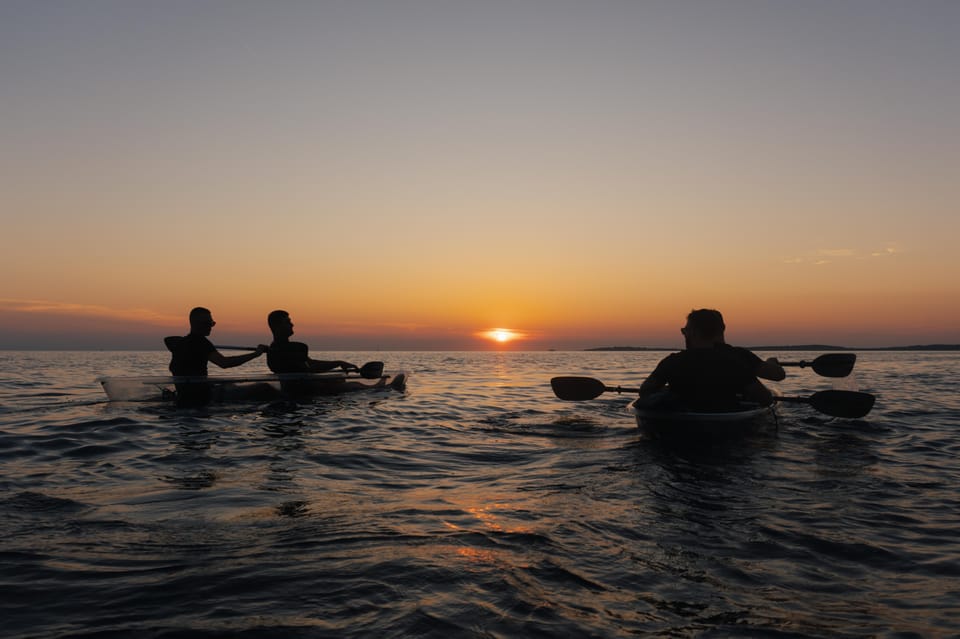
[
  {"x": 710, "y": 374},
  {"x": 191, "y": 353},
  {"x": 285, "y": 356}
]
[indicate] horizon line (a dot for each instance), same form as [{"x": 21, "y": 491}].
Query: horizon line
[{"x": 791, "y": 347}]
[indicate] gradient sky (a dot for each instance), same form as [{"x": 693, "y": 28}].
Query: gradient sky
[{"x": 407, "y": 173}]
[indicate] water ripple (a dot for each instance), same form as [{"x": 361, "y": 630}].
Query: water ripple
[{"x": 476, "y": 504}]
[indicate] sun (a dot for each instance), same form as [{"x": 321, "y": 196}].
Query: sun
[{"x": 501, "y": 335}]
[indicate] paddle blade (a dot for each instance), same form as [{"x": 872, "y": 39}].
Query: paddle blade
[
  {"x": 577, "y": 389},
  {"x": 846, "y": 404},
  {"x": 834, "y": 364},
  {"x": 227, "y": 347},
  {"x": 829, "y": 365},
  {"x": 371, "y": 370}
]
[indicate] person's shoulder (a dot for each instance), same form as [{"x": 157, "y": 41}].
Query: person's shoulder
[
  {"x": 745, "y": 353},
  {"x": 296, "y": 349},
  {"x": 288, "y": 346},
  {"x": 672, "y": 359},
  {"x": 196, "y": 341}
]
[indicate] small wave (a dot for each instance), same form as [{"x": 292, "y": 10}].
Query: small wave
[{"x": 35, "y": 502}]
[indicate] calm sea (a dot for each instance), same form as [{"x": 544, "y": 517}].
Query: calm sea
[{"x": 474, "y": 505}]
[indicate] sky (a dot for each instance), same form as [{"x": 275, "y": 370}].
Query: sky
[{"x": 414, "y": 174}]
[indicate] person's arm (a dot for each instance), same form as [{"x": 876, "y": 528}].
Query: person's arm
[
  {"x": 757, "y": 392},
  {"x": 658, "y": 379},
  {"x": 651, "y": 385},
  {"x": 771, "y": 369},
  {"x": 321, "y": 366},
  {"x": 654, "y": 382},
  {"x": 224, "y": 361}
]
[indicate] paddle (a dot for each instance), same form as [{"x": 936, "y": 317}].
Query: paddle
[
  {"x": 370, "y": 370},
  {"x": 224, "y": 347},
  {"x": 578, "y": 389},
  {"x": 829, "y": 365},
  {"x": 838, "y": 403},
  {"x": 172, "y": 341}
]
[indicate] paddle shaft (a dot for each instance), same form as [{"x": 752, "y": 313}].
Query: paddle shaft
[
  {"x": 837, "y": 403},
  {"x": 620, "y": 389},
  {"x": 370, "y": 370}
]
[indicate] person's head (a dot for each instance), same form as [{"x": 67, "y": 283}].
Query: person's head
[
  {"x": 201, "y": 321},
  {"x": 280, "y": 324},
  {"x": 704, "y": 327}
]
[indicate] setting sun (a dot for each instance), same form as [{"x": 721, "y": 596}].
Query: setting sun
[{"x": 501, "y": 335}]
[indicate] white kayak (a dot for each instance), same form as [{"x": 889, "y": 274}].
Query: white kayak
[
  {"x": 227, "y": 388},
  {"x": 693, "y": 426}
]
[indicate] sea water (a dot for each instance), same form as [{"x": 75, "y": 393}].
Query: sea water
[{"x": 475, "y": 504}]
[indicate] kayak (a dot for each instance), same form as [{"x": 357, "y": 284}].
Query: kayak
[
  {"x": 694, "y": 427},
  {"x": 266, "y": 387}
]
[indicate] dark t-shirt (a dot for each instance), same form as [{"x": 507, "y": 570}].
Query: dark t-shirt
[
  {"x": 190, "y": 355},
  {"x": 288, "y": 357},
  {"x": 709, "y": 378}
]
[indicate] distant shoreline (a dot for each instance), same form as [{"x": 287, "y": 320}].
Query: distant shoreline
[{"x": 799, "y": 347}]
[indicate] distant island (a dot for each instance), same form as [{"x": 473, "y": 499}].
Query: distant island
[{"x": 799, "y": 347}]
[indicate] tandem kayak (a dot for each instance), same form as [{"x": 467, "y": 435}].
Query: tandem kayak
[
  {"x": 696, "y": 427},
  {"x": 266, "y": 387}
]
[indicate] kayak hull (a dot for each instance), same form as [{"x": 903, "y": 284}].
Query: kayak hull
[
  {"x": 226, "y": 389},
  {"x": 700, "y": 427}
]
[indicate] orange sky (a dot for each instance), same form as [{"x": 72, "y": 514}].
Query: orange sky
[{"x": 407, "y": 178}]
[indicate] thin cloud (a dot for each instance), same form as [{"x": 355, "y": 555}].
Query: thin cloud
[
  {"x": 887, "y": 252},
  {"x": 47, "y": 307},
  {"x": 842, "y": 252},
  {"x": 831, "y": 255}
]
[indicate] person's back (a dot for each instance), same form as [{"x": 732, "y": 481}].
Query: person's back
[
  {"x": 709, "y": 375},
  {"x": 288, "y": 357},
  {"x": 285, "y": 356},
  {"x": 189, "y": 355},
  {"x": 707, "y": 379}
]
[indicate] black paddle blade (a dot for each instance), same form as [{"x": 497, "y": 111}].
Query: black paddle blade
[
  {"x": 834, "y": 364},
  {"x": 840, "y": 403},
  {"x": 371, "y": 370},
  {"x": 171, "y": 342},
  {"x": 577, "y": 389},
  {"x": 829, "y": 365}
]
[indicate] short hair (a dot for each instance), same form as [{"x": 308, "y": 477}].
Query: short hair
[
  {"x": 199, "y": 313},
  {"x": 275, "y": 317},
  {"x": 706, "y": 322}
]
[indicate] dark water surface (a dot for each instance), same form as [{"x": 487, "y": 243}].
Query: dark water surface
[{"x": 474, "y": 505}]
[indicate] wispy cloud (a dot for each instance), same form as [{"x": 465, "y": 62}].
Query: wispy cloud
[
  {"x": 837, "y": 252},
  {"x": 48, "y": 307},
  {"x": 831, "y": 255}
]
